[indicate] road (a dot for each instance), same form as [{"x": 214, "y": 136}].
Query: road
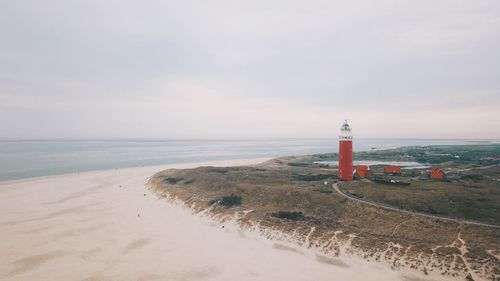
[{"x": 387, "y": 207}]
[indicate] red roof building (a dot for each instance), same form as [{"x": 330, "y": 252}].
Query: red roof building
[
  {"x": 395, "y": 170},
  {"x": 438, "y": 174},
  {"x": 363, "y": 171}
]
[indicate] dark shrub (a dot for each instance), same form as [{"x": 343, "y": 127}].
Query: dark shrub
[
  {"x": 295, "y": 216},
  {"x": 189, "y": 181},
  {"x": 472, "y": 177},
  {"x": 170, "y": 180},
  {"x": 227, "y": 201},
  {"x": 312, "y": 177},
  {"x": 221, "y": 170}
]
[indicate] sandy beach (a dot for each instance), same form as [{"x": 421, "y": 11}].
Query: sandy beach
[{"x": 105, "y": 225}]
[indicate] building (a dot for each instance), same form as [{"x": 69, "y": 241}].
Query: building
[
  {"x": 438, "y": 174},
  {"x": 363, "y": 171},
  {"x": 393, "y": 170},
  {"x": 346, "y": 169}
]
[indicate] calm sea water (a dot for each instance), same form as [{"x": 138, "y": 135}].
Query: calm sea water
[{"x": 23, "y": 159}]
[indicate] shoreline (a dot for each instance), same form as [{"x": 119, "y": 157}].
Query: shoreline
[
  {"x": 187, "y": 165},
  {"x": 294, "y": 244},
  {"x": 106, "y": 225}
]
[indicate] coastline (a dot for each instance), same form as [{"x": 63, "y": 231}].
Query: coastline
[
  {"x": 265, "y": 198},
  {"x": 69, "y": 156},
  {"x": 106, "y": 225}
]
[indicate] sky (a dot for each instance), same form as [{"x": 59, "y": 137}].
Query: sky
[{"x": 249, "y": 69}]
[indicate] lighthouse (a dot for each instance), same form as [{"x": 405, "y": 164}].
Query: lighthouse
[{"x": 345, "y": 153}]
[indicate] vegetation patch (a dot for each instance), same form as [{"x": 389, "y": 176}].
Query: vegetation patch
[
  {"x": 220, "y": 170},
  {"x": 355, "y": 194},
  {"x": 227, "y": 201},
  {"x": 313, "y": 177},
  {"x": 172, "y": 180},
  {"x": 471, "y": 177},
  {"x": 294, "y": 216},
  {"x": 323, "y": 190},
  {"x": 190, "y": 181}
]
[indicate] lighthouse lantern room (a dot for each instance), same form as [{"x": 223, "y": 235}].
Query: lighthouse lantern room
[{"x": 346, "y": 169}]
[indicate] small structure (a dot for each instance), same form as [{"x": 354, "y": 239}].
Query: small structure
[
  {"x": 363, "y": 171},
  {"x": 385, "y": 180},
  {"x": 438, "y": 174},
  {"x": 393, "y": 170}
]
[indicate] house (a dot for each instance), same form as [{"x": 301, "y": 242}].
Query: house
[
  {"x": 363, "y": 171},
  {"x": 438, "y": 174},
  {"x": 393, "y": 170}
]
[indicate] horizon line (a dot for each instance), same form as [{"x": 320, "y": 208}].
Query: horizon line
[{"x": 234, "y": 139}]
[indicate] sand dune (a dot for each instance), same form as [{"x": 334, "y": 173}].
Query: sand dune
[{"x": 105, "y": 225}]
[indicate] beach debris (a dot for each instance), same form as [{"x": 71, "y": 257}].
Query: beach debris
[{"x": 138, "y": 215}]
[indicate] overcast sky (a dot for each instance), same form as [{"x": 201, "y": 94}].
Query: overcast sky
[{"x": 210, "y": 69}]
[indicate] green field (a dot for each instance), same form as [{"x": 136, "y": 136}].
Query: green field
[{"x": 471, "y": 192}]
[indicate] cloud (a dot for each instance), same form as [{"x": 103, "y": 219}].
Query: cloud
[{"x": 239, "y": 69}]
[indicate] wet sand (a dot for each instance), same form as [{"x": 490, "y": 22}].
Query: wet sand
[{"x": 106, "y": 225}]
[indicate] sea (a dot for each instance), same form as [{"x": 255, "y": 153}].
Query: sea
[{"x": 32, "y": 158}]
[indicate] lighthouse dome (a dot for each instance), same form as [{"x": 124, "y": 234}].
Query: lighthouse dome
[
  {"x": 345, "y": 131},
  {"x": 345, "y": 126}
]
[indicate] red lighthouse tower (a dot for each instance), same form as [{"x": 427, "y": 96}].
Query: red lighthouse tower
[{"x": 345, "y": 153}]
